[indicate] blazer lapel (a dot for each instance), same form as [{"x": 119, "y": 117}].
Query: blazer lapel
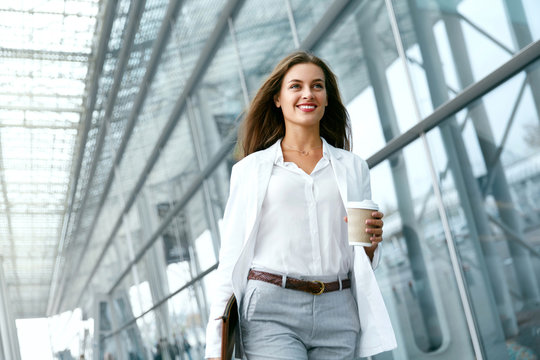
[{"x": 264, "y": 164}]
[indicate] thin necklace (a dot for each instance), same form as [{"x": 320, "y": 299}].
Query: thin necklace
[{"x": 302, "y": 152}]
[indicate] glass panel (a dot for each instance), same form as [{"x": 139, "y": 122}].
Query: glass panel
[
  {"x": 264, "y": 36},
  {"x": 307, "y": 14},
  {"x": 172, "y": 73},
  {"x": 130, "y": 338},
  {"x": 149, "y": 333},
  {"x": 174, "y": 171},
  {"x": 133, "y": 345},
  {"x": 127, "y": 92},
  {"x": 195, "y": 23},
  {"x": 362, "y": 54},
  {"x": 188, "y": 322},
  {"x": 111, "y": 264},
  {"x": 217, "y": 100},
  {"x": 45, "y": 50},
  {"x": 487, "y": 158},
  {"x": 416, "y": 275},
  {"x": 451, "y": 44}
]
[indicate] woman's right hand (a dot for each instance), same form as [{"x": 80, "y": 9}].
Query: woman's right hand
[{"x": 213, "y": 359}]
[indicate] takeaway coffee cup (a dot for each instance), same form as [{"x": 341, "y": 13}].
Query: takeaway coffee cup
[{"x": 358, "y": 212}]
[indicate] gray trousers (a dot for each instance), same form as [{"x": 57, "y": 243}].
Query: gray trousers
[{"x": 279, "y": 323}]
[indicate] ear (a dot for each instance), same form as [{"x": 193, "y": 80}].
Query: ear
[{"x": 276, "y": 101}]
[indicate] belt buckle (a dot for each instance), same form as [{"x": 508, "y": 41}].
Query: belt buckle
[{"x": 322, "y": 287}]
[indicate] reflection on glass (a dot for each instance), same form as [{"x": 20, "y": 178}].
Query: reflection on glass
[
  {"x": 217, "y": 101},
  {"x": 140, "y": 298},
  {"x": 370, "y": 75},
  {"x": 188, "y": 324},
  {"x": 484, "y": 184},
  {"x": 307, "y": 14},
  {"x": 450, "y": 44},
  {"x": 264, "y": 35},
  {"x": 416, "y": 276},
  {"x": 486, "y": 160}
]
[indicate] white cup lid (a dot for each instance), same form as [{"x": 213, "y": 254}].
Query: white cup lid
[{"x": 364, "y": 204}]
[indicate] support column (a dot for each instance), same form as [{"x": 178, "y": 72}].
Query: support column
[
  {"x": 155, "y": 262},
  {"x": 522, "y": 38},
  {"x": 102, "y": 327},
  {"x": 135, "y": 343},
  {"x": 528, "y": 284},
  {"x": 204, "y": 134},
  {"x": 121, "y": 352},
  {"x": 491, "y": 291}
]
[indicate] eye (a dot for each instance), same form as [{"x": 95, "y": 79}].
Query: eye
[
  {"x": 294, "y": 86},
  {"x": 318, "y": 86}
]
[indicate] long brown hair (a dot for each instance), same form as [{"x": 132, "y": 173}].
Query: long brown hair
[{"x": 264, "y": 123}]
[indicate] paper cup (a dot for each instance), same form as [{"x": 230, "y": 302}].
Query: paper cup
[{"x": 357, "y": 213}]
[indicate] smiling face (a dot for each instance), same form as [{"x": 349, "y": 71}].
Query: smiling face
[{"x": 302, "y": 97}]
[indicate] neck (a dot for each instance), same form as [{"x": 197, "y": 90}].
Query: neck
[{"x": 302, "y": 139}]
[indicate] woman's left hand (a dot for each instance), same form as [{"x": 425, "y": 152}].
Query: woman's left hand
[{"x": 374, "y": 228}]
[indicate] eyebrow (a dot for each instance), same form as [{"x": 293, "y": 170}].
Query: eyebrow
[{"x": 296, "y": 80}]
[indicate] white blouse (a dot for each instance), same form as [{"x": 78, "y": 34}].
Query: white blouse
[{"x": 302, "y": 231}]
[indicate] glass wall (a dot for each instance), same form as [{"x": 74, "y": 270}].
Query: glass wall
[{"x": 461, "y": 264}]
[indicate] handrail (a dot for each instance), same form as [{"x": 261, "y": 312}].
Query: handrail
[{"x": 472, "y": 93}]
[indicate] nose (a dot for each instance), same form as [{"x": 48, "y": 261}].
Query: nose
[{"x": 307, "y": 94}]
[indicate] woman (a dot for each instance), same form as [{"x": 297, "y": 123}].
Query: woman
[{"x": 303, "y": 292}]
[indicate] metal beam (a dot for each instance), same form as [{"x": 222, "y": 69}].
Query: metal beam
[
  {"x": 162, "y": 301},
  {"x": 47, "y": 95},
  {"x": 93, "y": 83},
  {"x": 43, "y": 212},
  {"x": 34, "y": 108},
  {"x": 132, "y": 25},
  {"x": 223, "y": 152},
  {"x": 485, "y": 33},
  {"x": 513, "y": 66},
  {"x": 151, "y": 68},
  {"x": 38, "y": 127},
  {"x": 328, "y": 22},
  {"x": 34, "y": 12},
  {"x": 42, "y": 78},
  {"x": 339, "y": 8},
  {"x": 44, "y": 55},
  {"x": 204, "y": 59}
]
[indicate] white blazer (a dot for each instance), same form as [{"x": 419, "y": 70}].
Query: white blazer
[{"x": 249, "y": 181}]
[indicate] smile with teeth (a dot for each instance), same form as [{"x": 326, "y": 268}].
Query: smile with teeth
[{"x": 306, "y": 107}]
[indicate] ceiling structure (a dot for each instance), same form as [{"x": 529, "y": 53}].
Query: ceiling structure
[
  {"x": 45, "y": 63},
  {"x": 74, "y": 76}
]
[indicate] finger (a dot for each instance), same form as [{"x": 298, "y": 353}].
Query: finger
[
  {"x": 346, "y": 219},
  {"x": 377, "y": 214},
  {"x": 374, "y": 223},
  {"x": 375, "y": 234},
  {"x": 375, "y": 244},
  {"x": 376, "y": 240},
  {"x": 374, "y": 231}
]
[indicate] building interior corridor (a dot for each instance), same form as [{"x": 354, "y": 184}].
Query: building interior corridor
[{"x": 118, "y": 126}]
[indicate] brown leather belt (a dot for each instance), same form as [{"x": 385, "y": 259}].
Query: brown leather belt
[{"x": 312, "y": 287}]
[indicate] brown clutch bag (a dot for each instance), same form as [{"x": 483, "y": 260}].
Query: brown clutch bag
[{"x": 229, "y": 328}]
